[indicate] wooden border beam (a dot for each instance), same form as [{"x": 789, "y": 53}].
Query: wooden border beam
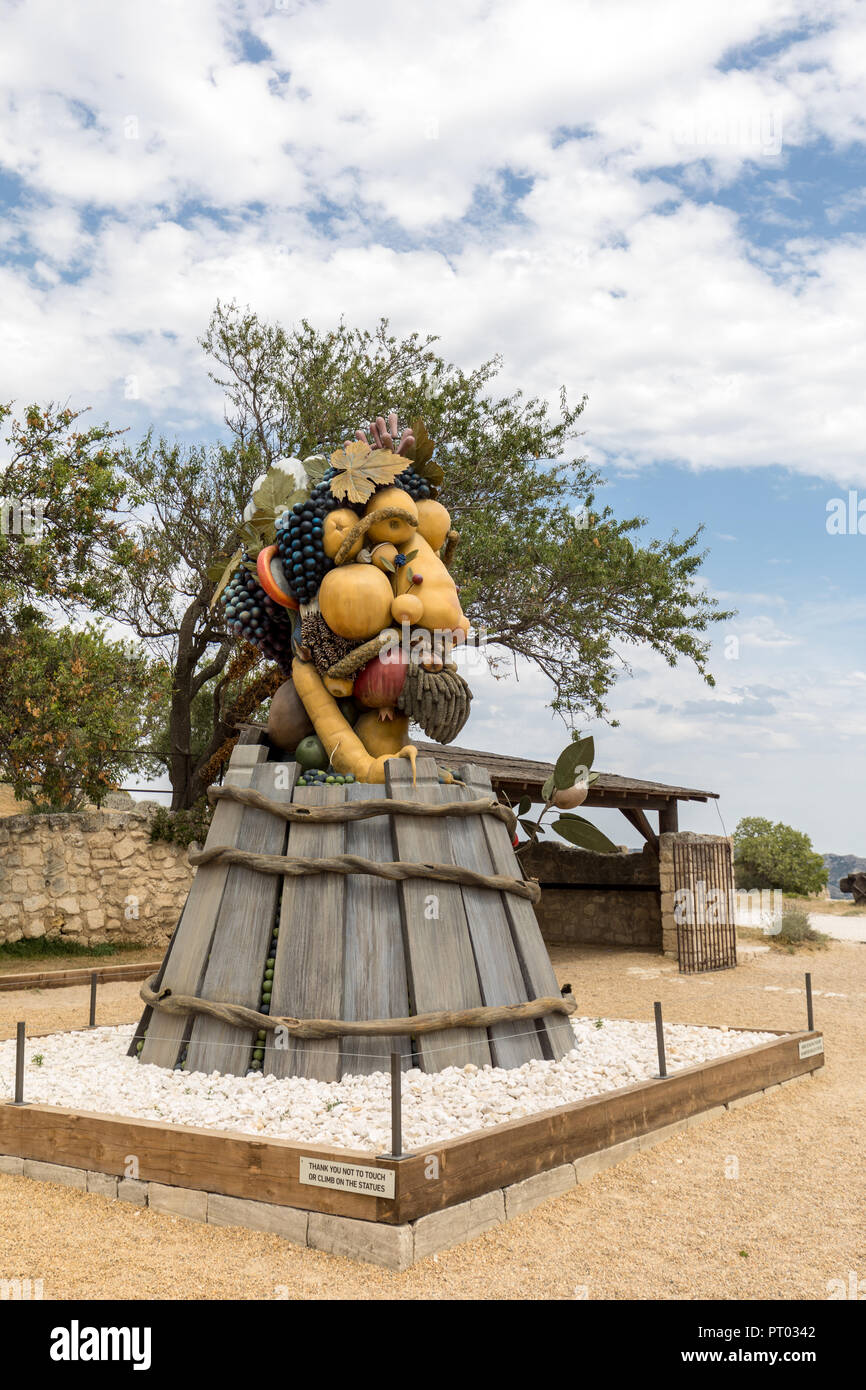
[{"x": 268, "y": 1170}]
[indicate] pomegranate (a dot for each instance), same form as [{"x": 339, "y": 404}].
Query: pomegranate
[{"x": 380, "y": 682}]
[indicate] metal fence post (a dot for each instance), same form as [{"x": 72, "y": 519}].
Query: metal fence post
[
  {"x": 20, "y": 1035},
  {"x": 810, "y": 1012},
  {"x": 396, "y": 1109},
  {"x": 396, "y": 1105},
  {"x": 660, "y": 1039},
  {"x": 93, "y": 983}
]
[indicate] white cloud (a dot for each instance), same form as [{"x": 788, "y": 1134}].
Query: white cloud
[
  {"x": 691, "y": 345},
  {"x": 159, "y": 173}
]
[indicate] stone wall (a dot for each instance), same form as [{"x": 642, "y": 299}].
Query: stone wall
[
  {"x": 596, "y": 899},
  {"x": 90, "y": 877}
]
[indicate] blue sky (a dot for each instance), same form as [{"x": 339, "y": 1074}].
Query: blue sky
[{"x": 660, "y": 205}]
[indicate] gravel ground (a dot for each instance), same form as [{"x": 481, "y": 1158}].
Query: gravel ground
[
  {"x": 665, "y": 1224},
  {"x": 90, "y": 1071}
]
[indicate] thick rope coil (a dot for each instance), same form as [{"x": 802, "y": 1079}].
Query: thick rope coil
[
  {"x": 363, "y": 810},
  {"x": 239, "y": 1016},
  {"x": 287, "y": 867}
]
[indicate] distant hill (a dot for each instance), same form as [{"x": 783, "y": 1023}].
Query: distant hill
[{"x": 838, "y": 865}]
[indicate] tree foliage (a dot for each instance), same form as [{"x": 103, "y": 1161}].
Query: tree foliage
[
  {"x": 63, "y": 484},
  {"x": 133, "y": 532},
  {"x": 75, "y": 710},
  {"x": 553, "y": 577},
  {"x": 768, "y": 855},
  {"x": 184, "y": 506}
]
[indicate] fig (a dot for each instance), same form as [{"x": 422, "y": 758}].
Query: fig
[
  {"x": 310, "y": 753},
  {"x": 288, "y": 721},
  {"x": 569, "y": 797}
]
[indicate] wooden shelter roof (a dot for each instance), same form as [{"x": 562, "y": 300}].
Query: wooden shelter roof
[{"x": 522, "y": 776}]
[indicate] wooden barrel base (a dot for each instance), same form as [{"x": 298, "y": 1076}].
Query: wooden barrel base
[{"x": 353, "y": 947}]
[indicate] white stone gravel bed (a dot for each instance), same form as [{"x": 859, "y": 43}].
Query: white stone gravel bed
[{"x": 90, "y": 1071}]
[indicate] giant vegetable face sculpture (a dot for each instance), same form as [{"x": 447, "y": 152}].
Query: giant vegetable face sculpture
[{"x": 344, "y": 582}]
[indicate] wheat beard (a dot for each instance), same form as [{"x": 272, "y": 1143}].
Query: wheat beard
[{"x": 437, "y": 701}]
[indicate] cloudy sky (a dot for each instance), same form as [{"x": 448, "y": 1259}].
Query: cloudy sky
[{"x": 660, "y": 204}]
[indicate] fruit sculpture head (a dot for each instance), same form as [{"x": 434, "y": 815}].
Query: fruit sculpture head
[{"x": 352, "y": 571}]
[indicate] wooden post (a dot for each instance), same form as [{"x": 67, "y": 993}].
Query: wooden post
[
  {"x": 640, "y": 822},
  {"x": 669, "y": 821},
  {"x": 660, "y": 1040}
]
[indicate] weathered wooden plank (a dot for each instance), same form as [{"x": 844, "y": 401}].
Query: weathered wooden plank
[
  {"x": 237, "y": 1165},
  {"x": 308, "y": 971},
  {"x": 499, "y": 973},
  {"x": 508, "y": 1153},
  {"x": 185, "y": 963},
  {"x": 248, "y": 753},
  {"x": 244, "y": 925},
  {"x": 375, "y": 961},
  {"x": 557, "y": 1035},
  {"x": 62, "y": 979},
  {"x": 439, "y": 958}
]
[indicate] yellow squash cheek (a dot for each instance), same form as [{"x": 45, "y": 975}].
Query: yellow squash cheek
[{"x": 435, "y": 599}]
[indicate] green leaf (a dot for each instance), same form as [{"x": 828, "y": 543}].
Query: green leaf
[
  {"x": 424, "y": 445},
  {"x": 523, "y": 805},
  {"x": 387, "y": 565},
  {"x": 264, "y": 524},
  {"x": 223, "y": 575},
  {"x": 411, "y": 555},
  {"x": 584, "y": 834},
  {"x": 422, "y": 455},
  {"x": 278, "y": 490},
  {"x": 409, "y": 573},
  {"x": 548, "y": 788},
  {"x": 431, "y": 471},
  {"x": 530, "y": 826},
  {"x": 575, "y": 756},
  {"x": 315, "y": 467}
]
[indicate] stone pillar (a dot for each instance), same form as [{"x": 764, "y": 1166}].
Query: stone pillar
[{"x": 667, "y": 885}]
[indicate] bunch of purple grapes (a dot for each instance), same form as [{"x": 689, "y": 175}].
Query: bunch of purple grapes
[{"x": 251, "y": 614}]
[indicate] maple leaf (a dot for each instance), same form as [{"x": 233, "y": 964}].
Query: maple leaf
[{"x": 360, "y": 470}]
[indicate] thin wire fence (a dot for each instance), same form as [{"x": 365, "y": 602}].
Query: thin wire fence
[{"x": 394, "y": 1058}]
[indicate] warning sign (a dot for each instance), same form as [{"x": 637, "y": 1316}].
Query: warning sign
[{"x": 347, "y": 1177}]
